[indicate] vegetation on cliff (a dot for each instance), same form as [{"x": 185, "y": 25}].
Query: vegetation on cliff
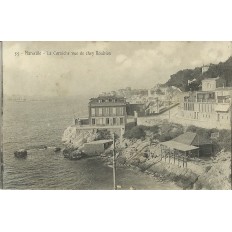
[
  {"x": 181, "y": 78},
  {"x": 204, "y": 173},
  {"x": 163, "y": 132}
]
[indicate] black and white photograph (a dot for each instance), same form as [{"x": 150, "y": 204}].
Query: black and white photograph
[{"x": 116, "y": 115}]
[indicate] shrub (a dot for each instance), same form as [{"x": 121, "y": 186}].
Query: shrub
[
  {"x": 136, "y": 132},
  {"x": 129, "y": 126},
  {"x": 223, "y": 142},
  {"x": 103, "y": 134},
  {"x": 154, "y": 129}
]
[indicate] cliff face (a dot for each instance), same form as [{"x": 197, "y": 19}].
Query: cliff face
[{"x": 76, "y": 138}]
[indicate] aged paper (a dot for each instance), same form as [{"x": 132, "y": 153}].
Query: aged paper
[{"x": 116, "y": 115}]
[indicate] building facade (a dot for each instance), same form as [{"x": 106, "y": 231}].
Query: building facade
[
  {"x": 107, "y": 111},
  {"x": 211, "y": 105}
]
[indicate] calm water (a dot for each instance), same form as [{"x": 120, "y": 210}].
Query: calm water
[{"x": 33, "y": 123}]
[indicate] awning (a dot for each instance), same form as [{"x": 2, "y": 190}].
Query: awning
[
  {"x": 222, "y": 108},
  {"x": 179, "y": 146}
]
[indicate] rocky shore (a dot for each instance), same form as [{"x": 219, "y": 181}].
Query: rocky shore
[
  {"x": 200, "y": 174},
  {"x": 211, "y": 173}
]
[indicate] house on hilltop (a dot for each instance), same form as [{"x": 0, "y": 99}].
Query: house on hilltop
[{"x": 211, "y": 105}]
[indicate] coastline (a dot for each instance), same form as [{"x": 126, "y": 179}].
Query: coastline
[{"x": 211, "y": 173}]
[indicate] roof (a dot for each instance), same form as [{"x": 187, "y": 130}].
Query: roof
[
  {"x": 223, "y": 88},
  {"x": 179, "y": 146},
  {"x": 108, "y": 97},
  {"x": 100, "y": 141},
  {"x": 107, "y": 101},
  {"x": 222, "y": 107},
  {"x": 211, "y": 79},
  {"x": 106, "y": 104},
  {"x": 186, "y": 138},
  {"x": 190, "y": 138}
]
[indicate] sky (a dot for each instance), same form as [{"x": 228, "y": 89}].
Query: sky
[{"x": 134, "y": 64}]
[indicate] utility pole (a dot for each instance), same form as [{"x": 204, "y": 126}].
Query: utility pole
[
  {"x": 1, "y": 118},
  {"x": 231, "y": 136},
  {"x": 114, "y": 166},
  {"x": 231, "y": 140}
]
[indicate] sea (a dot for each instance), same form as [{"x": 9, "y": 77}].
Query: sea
[{"x": 31, "y": 124}]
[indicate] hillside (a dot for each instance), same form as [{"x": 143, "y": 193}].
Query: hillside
[{"x": 180, "y": 79}]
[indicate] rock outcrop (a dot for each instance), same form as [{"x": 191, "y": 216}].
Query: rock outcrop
[
  {"x": 77, "y": 137},
  {"x": 217, "y": 175},
  {"x": 213, "y": 174},
  {"x": 22, "y": 153}
]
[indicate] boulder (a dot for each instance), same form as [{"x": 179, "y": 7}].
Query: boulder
[
  {"x": 76, "y": 155},
  {"x": 73, "y": 153},
  {"x": 22, "y": 153},
  {"x": 57, "y": 149}
]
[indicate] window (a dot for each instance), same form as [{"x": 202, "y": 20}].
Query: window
[
  {"x": 114, "y": 121},
  {"x": 114, "y": 111},
  {"x": 107, "y": 111},
  {"x": 100, "y": 111},
  {"x": 107, "y": 121},
  {"x": 121, "y": 121},
  {"x": 93, "y": 111},
  {"x": 93, "y": 121},
  {"x": 121, "y": 111}
]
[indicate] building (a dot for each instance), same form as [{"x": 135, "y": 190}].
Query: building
[
  {"x": 211, "y": 84},
  {"x": 193, "y": 139},
  {"x": 96, "y": 147},
  {"x": 211, "y": 105},
  {"x": 139, "y": 108},
  {"x": 204, "y": 68},
  {"x": 107, "y": 111},
  {"x": 189, "y": 144}
]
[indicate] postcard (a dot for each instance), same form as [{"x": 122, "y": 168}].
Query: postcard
[{"x": 116, "y": 115}]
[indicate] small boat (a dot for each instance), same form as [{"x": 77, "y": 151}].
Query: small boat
[
  {"x": 57, "y": 149},
  {"x": 20, "y": 153}
]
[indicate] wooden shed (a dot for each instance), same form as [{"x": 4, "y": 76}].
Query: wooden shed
[{"x": 189, "y": 138}]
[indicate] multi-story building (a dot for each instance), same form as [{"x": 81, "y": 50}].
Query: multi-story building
[
  {"x": 211, "y": 105},
  {"x": 107, "y": 111}
]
